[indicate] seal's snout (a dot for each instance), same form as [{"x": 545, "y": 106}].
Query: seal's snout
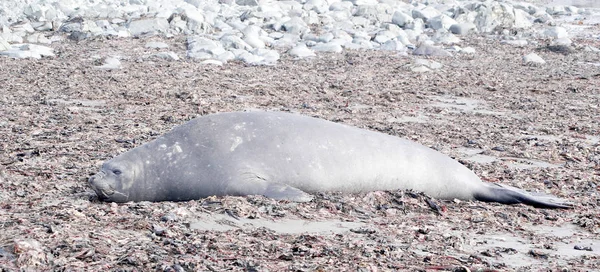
[{"x": 102, "y": 186}]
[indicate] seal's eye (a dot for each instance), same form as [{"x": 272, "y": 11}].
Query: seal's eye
[{"x": 116, "y": 172}]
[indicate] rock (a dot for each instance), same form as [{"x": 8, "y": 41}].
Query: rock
[
  {"x": 533, "y": 58},
  {"x": 393, "y": 45},
  {"x": 461, "y": 28},
  {"x": 203, "y": 48},
  {"x": 434, "y": 65},
  {"x": 295, "y": 25},
  {"x": 441, "y": 22},
  {"x": 556, "y": 32},
  {"x": 562, "y": 42},
  {"x": 232, "y": 41},
  {"x": 328, "y": 47},
  {"x": 520, "y": 43},
  {"x": 430, "y": 50},
  {"x": 425, "y": 13},
  {"x": 4, "y": 45},
  {"x": 252, "y": 3},
  {"x": 109, "y": 63},
  {"x": 167, "y": 56},
  {"x": 156, "y": 45},
  {"x": 402, "y": 19},
  {"x": 151, "y": 26},
  {"x": 212, "y": 62},
  {"x": 301, "y": 51},
  {"x": 20, "y": 51}
]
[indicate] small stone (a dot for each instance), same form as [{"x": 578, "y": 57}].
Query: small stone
[
  {"x": 110, "y": 64},
  {"x": 158, "y": 230},
  {"x": 441, "y": 22},
  {"x": 393, "y": 45},
  {"x": 212, "y": 62},
  {"x": 328, "y": 47},
  {"x": 167, "y": 56},
  {"x": 148, "y": 26},
  {"x": 295, "y": 25},
  {"x": 252, "y": 3},
  {"x": 533, "y": 58},
  {"x": 301, "y": 51},
  {"x": 430, "y": 50},
  {"x": 401, "y": 19},
  {"x": 461, "y": 28},
  {"x": 519, "y": 43},
  {"x": 156, "y": 45},
  {"x": 425, "y": 13},
  {"x": 4, "y": 45},
  {"x": 556, "y": 32},
  {"x": 434, "y": 65}
]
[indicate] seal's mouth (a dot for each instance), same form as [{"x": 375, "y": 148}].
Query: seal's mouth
[{"x": 103, "y": 189}]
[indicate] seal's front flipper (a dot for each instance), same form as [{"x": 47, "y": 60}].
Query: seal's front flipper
[
  {"x": 510, "y": 195},
  {"x": 254, "y": 184},
  {"x": 285, "y": 192}
]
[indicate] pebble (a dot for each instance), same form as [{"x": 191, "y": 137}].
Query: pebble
[
  {"x": 20, "y": 51},
  {"x": 110, "y": 63},
  {"x": 301, "y": 51},
  {"x": 430, "y": 50},
  {"x": 172, "y": 56},
  {"x": 257, "y": 31},
  {"x": 156, "y": 45},
  {"x": 533, "y": 58}
]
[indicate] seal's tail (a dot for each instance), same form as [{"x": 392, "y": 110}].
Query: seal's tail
[{"x": 505, "y": 194}]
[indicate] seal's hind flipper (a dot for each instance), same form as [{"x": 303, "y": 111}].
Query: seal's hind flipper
[{"x": 505, "y": 194}]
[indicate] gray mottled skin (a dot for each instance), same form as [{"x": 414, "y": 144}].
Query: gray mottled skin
[{"x": 288, "y": 156}]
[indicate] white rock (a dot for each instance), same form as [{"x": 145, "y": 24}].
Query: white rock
[
  {"x": 4, "y": 45},
  {"x": 562, "y": 41},
  {"x": 252, "y": 3},
  {"x": 384, "y": 36},
  {"x": 393, "y": 45},
  {"x": 318, "y": 6},
  {"x": 533, "y": 58},
  {"x": 212, "y": 62},
  {"x": 461, "y": 28},
  {"x": 110, "y": 63},
  {"x": 441, "y": 22},
  {"x": 556, "y": 32},
  {"x": 359, "y": 43},
  {"x": 148, "y": 26},
  {"x": 203, "y": 48},
  {"x": 295, "y": 25},
  {"x": 523, "y": 19},
  {"x": 468, "y": 50},
  {"x": 156, "y": 45},
  {"x": 233, "y": 41},
  {"x": 269, "y": 56},
  {"x": 37, "y": 38},
  {"x": 425, "y": 13},
  {"x": 519, "y": 43},
  {"x": 401, "y": 19},
  {"x": 167, "y": 56},
  {"x": 301, "y": 51},
  {"x": 444, "y": 37},
  {"x": 42, "y": 26},
  {"x": 434, "y": 65},
  {"x": 341, "y": 6},
  {"x": 429, "y": 50},
  {"x": 328, "y": 47}
]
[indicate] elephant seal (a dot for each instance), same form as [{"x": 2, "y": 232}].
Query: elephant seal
[{"x": 287, "y": 156}]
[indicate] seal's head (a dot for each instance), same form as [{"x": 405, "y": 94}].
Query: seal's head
[{"x": 114, "y": 180}]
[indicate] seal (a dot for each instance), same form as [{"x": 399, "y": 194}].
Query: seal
[{"x": 289, "y": 156}]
